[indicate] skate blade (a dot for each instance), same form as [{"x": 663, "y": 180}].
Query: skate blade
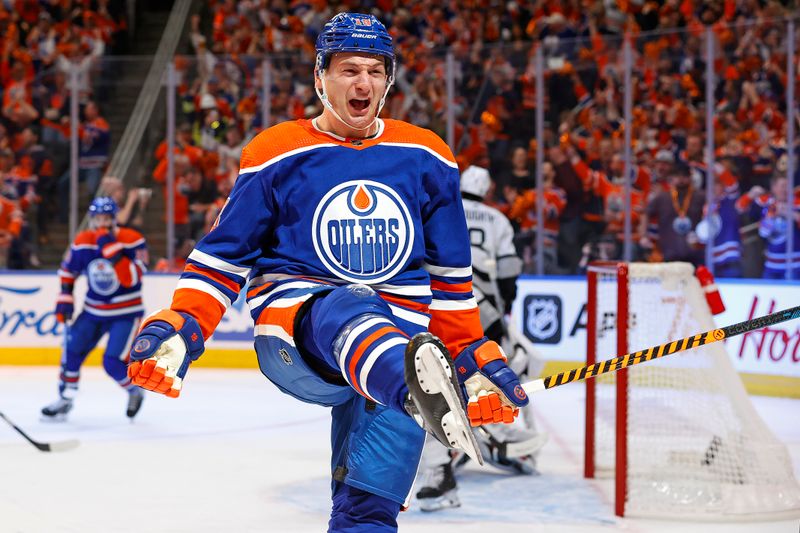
[
  {"x": 455, "y": 423},
  {"x": 445, "y": 501},
  {"x": 55, "y": 419}
]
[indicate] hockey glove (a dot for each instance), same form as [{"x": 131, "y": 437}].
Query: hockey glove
[
  {"x": 162, "y": 351},
  {"x": 110, "y": 247},
  {"x": 493, "y": 391},
  {"x": 65, "y": 306}
]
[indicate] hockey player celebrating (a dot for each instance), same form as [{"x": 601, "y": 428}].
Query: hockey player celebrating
[
  {"x": 113, "y": 260},
  {"x": 351, "y": 234},
  {"x": 496, "y": 267}
]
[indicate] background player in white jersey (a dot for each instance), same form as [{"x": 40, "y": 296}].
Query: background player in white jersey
[
  {"x": 349, "y": 231},
  {"x": 113, "y": 260},
  {"x": 495, "y": 267}
]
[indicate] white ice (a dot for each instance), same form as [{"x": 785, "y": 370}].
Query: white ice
[{"x": 233, "y": 454}]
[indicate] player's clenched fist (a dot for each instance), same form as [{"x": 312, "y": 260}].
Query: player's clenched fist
[
  {"x": 493, "y": 391},
  {"x": 161, "y": 352}
]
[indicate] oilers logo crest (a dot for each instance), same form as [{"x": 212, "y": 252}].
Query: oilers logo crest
[
  {"x": 362, "y": 232},
  {"x": 102, "y": 277}
]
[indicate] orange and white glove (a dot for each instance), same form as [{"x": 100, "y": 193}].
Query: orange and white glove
[
  {"x": 492, "y": 389},
  {"x": 162, "y": 351}
]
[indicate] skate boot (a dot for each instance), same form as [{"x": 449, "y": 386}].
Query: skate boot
[
  {"x": 135, "y": 398},
  {"x": 57, "y": 410},
  {"x": 434, "y": 397},
  {"x": 439, "y": 491}
]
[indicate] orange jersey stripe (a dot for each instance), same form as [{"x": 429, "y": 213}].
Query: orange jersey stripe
[
  {"x": 255, "y": 290},
  {"x": 203, "y": 307},
  {"x": 438, "y": 285},
  {"x": 402, "y": 302},
  {"x": 280, "y": 316},
  {"x": 457, "y": 329},
  {"x": 351, "y": 369},
  {"x": 294, "y": 135}
]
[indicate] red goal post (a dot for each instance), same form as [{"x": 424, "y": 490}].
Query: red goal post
[{"x": 680, "y": 434}]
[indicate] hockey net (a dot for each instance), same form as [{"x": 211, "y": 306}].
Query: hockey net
[{"x": 678, "y": 434}]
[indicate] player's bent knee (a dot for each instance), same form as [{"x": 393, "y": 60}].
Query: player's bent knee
[
  {"x": 358, "y": 511},
  {"x": 333, "y": 312}
]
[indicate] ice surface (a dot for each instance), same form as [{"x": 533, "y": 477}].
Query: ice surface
[{"x": 233, "y": 454}]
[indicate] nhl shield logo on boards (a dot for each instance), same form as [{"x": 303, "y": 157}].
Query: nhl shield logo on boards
[
  {"x": 362, "y": 231},
  {"x": 542, "y": 318}
]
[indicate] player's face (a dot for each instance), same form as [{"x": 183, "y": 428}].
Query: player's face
[
  {"x": 355, "y": 84},
  {"x": 103, "y": 221}
]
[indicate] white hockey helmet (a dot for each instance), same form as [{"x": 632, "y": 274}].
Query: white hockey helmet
[{"x": 475, "y": 180}]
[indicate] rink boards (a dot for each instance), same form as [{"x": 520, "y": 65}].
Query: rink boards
[{"x": 548, "y": 311}]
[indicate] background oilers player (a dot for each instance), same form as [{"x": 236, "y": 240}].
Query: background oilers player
[
  {"x": 496, "y": 267},
  {"x": 113, "y": 260},
  {"x": 351, "y": 234}
]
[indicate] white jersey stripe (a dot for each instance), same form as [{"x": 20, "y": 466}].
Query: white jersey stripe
[
  {"x": 453, "y": 305},
  {"x": 255, "y": 302},
  {"x": 453, "y": 272},
  {"x": 273, "y": 331},
  {"x": 351, "y": 337},
  {"x": 127, "y": 348},
  {"x": 116, "y": 299},
  {"x": 114, "y": 312},
  {"x": 451, "y": 164},
  {"x": 200, "y": 285},
  {"x": 410, "y": 316},
  {"x": 218, "y": 264},
  {"x": 264, "y": 278},
  {"x": 290, "y": 153},
  {"x": 410, "y": 290},
  {"x": 133, "y": 244},
  {"x": 282, "y": 303}
]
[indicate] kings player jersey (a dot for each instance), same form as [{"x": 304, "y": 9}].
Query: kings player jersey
[
  {"x": 311, "y": 207},
  {"x": 115, "y": 288}
]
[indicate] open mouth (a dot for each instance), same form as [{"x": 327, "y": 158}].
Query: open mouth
[{"x": 358, "y": 104}]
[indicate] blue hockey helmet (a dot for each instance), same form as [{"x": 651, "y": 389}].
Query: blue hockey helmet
[
  {"x": 354, "y": 32},
  {"x": 103, "y": 205}
]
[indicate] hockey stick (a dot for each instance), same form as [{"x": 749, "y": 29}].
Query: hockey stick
[
  {"x": 60, "y": 446},
  {"x": 654, "y": 352}
]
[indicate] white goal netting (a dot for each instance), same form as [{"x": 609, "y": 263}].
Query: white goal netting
[{"x": 696, "y": 448}]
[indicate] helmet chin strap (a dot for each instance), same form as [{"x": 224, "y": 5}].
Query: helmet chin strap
[{"x": 322, "y": 94}]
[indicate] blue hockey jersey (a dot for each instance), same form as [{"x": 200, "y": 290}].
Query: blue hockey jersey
[
  {"x": 115, "y": 290},
  {"x": 308, "y": 205}
]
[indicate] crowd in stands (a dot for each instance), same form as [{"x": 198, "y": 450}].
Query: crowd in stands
[
  {"x": 221, "y": 108},
  {"x": 584, "y": 173},
  {"x": 41, "y": 44}
]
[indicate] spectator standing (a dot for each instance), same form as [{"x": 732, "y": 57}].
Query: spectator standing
[
  {"x": 675, "y": 213},
  {"x": 775, "y": 212},
  {"x": 95, "y": 147},
  {"x": 522, "y": 210}
]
